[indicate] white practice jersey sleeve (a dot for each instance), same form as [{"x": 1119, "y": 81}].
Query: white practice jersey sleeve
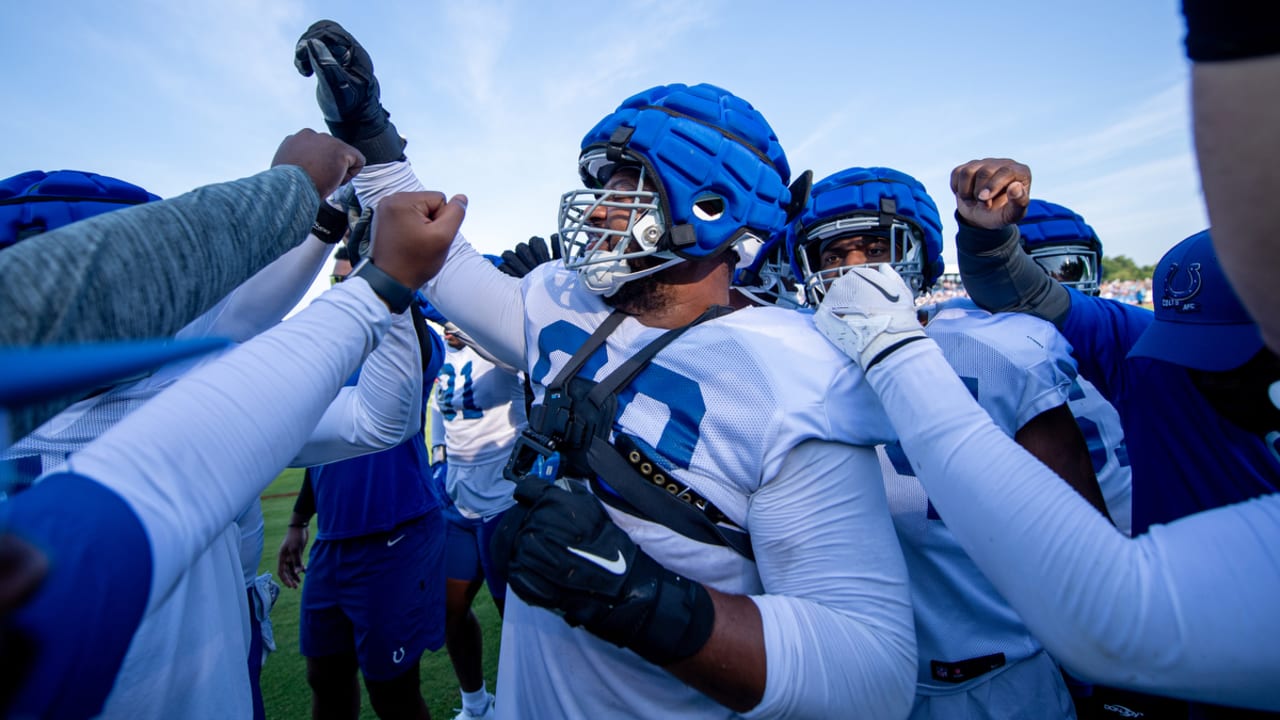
[
  {"x": 263, "y": 300},
  {"x": 1016, "y": 366},
  {"x": 383, "y": 408},
  {"x": 1187, "y": 609},
  {"x": 486, "y": 303},
  {"x": 1104, "y": 435},
  {"x": 190, "y": 460},
  {"x": 837, "y": 596}
]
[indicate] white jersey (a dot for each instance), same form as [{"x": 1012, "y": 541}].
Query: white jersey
[
  {"x": 720, "y": 408},
  {"x": 482, "y": 407},
  {"x": 1016, "y": 367},
  {"x": 1100, "y": 424}
]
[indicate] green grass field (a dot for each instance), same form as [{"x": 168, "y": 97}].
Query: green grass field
[{"x": 284, "y": 678}]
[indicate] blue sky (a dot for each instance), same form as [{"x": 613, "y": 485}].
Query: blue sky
[{"x": 494, "y": 97}]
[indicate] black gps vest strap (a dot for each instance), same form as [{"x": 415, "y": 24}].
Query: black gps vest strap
[
  {"x": 579, "y": 358},
  {"x": 627, "y": 372},
  {"x": 654, "y": 502},
  {"x": 646, "y": 496}
]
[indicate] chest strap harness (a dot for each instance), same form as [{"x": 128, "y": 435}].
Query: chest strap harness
[{"x": 569, "y": 436}]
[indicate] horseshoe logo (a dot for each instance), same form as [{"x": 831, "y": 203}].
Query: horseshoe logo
[{"x": 1193, "y": 285}]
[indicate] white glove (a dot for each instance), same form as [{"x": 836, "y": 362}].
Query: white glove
[{"x": 868, "y": 312}]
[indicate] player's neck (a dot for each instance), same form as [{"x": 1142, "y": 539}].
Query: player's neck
[{"x": 701, "y": 285}]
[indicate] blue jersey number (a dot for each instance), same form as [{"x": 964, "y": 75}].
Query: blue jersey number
[
  {"x": 447, "y": 391},
  {"x": 681, "y": 395}
]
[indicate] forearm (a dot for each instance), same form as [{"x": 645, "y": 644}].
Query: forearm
[
  {"x": 383, "y": 408},
  {"x": 264, "y": 299},
  {"x": 305, "y": 504},
  {"x": 484, "y": 302},
  {"x": 186, "y": 474},
  {"x": 1177, "y": 611},
  {"x": 730, "y": 668},
  {"x": 148, "y": 270},
  {"x": 1000, "y": 277}
]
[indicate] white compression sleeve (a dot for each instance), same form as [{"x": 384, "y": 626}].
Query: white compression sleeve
[
  {"x": 839, "y": 633},
  {"x": 191, "y": 459},
  {"x": 383, "y": 408},
  {"x": 485, "y": 303},
  {"x": 262, "y": 301},
  {"x": 1187, "y": 609}
]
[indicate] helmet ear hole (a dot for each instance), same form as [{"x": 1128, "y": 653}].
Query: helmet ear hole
[{"x": 709, "y": 207}]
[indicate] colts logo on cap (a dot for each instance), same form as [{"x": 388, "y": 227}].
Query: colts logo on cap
[{"x": 1182, "y": 300}]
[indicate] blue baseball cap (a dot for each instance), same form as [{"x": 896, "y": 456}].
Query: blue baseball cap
[{"x": 1199, "y": 321}]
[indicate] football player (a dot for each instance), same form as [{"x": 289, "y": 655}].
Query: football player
[
  {"x": 1069, "y": 250},
  {"x": 734, "y": 551},
  {"x": 1186, "y": 609},
  {"x": 1197, "y": 362},
  {"x": 976, "y": 658},
  {"x": 481, "y": 407}
]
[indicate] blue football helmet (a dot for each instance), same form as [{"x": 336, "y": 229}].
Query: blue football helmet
[
  {"x": 764, "y": 274},
  {"x": 704, "y": 173},
  {"x": 35, "y": 202},
  {"x": 873, "y": 203},
  {"x": 1060, "y": 241}
]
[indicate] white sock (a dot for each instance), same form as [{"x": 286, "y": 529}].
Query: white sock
[{"x": 475, "y": 702}]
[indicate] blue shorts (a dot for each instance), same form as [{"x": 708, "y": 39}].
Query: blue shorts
[
  {"x": 467, "y": 551},
  {"x": 380, "y": 596}
]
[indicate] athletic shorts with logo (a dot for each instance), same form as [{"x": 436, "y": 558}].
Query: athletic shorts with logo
[{"x": 380, "y": 596}]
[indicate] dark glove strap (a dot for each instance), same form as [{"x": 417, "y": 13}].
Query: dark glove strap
[
  {"x": 680, "y": 624},
  {"x": 384, "y": 147}
]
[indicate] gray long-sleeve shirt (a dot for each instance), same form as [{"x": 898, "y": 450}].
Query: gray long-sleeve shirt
[{"x": 148, "y": 270}]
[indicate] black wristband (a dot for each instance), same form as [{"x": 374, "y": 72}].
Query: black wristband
[
  {"x": 301, "y": 526},
  {"x": 330, "y": 224},
  {"x": 383, "y": 146},
  {"x": 397, "y": 296},
  {"x": 1230, "y": 29},
  {"x": 890, "y": 350}
]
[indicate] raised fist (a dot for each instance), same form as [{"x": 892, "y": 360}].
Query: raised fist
[
  {"x": 412, "y": 232},
  {"x": 328, "y": 161},
  {"x": 991, "y": 193},
  {"x": 348, "y": 91}
]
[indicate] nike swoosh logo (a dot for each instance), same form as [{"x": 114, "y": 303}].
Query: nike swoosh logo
[
  {"x": 390, "y": 543},
  {"x": 885, "y": 293},
  {"x": 617, "y": 566}
]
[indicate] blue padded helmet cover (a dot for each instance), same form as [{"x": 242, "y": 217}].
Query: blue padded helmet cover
[
  {"x": 859, "y": 191},
  {"x": 34, "y": 202},
  {"x": 698, "y": 141},
  {"x": 1048, "y": 224}
]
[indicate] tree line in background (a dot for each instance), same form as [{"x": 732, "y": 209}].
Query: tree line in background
[{"x": 1122, "y": 267}]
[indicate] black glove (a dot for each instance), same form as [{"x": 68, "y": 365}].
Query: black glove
[
  {"x": 561, "y": 551},
  {"x": 348, "y": 92},
  {"x": 528, "y": 255}
]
